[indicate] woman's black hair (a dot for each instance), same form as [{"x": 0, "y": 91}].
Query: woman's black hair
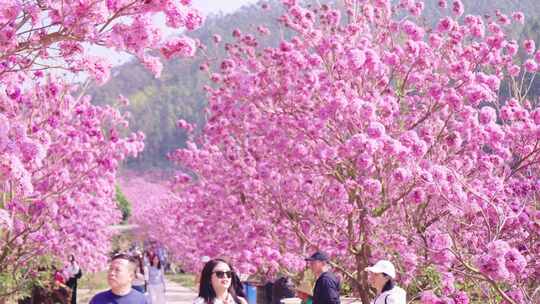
[
  {"x": 389, "y": 284},
  {"x": 158, "y": 263},
  {"x": 206, "y": 291},
  {"x": 238, "y": 288}
]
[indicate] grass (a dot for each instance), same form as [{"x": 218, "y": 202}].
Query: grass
[
  {"x": 94, "y": 281},
  {"x": 90, "y": 284},
  {"x": 184, "y": 279}
]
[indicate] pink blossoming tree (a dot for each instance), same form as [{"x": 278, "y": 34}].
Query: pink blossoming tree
[
  {"x": 369, "y": 135},
  {"x": 58, "y": 165},
  {"x": 151, "y": 199},
  {"x": 58, "y": 153}
]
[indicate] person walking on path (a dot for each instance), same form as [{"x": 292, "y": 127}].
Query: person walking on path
[
  {"x": 156, "y": 281},
  {"x": 217, "y": 285},
  {"x": 120, "y": 277},
  {"x": 381, "y": 276},
  {"x": 73, "y": 273},
  {"x": 148, "y": 256},
  {"x": 327, "y": 286},
  {"x": 141, "y": 274}
]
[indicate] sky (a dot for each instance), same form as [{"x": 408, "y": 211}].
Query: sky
[{"x": 207, "y": 7}]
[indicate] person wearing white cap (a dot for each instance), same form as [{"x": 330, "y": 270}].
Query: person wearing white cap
[{"x": 382, "y": 277}]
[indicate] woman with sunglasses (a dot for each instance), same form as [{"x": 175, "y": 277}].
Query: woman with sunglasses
[{"x": 217, "y": 284}]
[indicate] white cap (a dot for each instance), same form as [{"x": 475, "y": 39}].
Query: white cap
[{"x": 383, "y": 266}]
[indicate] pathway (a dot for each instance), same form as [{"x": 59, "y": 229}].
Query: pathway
[{"x": 177, "y": 294}]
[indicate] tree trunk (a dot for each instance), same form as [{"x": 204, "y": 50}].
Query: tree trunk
[{"x": 361, "y": 264}]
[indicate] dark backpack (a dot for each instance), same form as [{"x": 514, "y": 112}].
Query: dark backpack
[{"x": 282, "y": 288}]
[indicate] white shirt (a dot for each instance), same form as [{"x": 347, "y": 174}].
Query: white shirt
[
  {"x": 395, "y": 295},
  {"x": 72, "y": 270}
]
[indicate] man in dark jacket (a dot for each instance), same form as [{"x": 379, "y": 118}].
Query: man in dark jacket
[{"x": 327, "y": 286}]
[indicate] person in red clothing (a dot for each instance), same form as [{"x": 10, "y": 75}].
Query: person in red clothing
[
  {"x": 58, "y": 277},
  {"x": 60, "y": 291}
]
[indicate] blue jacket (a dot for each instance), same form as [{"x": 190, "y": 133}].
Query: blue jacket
[{"x": 326, "y": 289}]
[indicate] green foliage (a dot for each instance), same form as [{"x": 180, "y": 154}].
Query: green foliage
[
  {"x": 18, "y": 281},
  {"x": 123, "y": 204},
  {"x": 94, "y": 281},
  {"x": 346, "y": 288},
  {"x": 90, "y": 284},
  {"x": 429, "y": 277}
]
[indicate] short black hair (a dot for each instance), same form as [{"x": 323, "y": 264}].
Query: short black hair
[
  {"x": 132, "y": 261},
  {"x": 123, "y": 256},
  {"x": 158, "y": 261}
]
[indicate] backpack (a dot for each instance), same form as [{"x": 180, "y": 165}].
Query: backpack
[{"x": 282, "y": 288}]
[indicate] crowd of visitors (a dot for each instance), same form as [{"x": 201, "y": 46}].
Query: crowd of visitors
[{"x": 139, "y": 279}]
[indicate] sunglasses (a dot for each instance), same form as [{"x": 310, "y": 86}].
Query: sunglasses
[{"x": 222, "y": 274}]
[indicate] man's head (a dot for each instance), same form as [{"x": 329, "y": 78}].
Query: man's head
[
  {"x": 318, "y": 262},
  {"x": 121, "y": 273}
]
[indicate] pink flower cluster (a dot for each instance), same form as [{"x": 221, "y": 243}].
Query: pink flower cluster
[
  {"x": 179, "y": 46},
  {"x": 501, "y": 262},
  {"x": 53, "y": 31},
  {"x": 428, "y": 297}
]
